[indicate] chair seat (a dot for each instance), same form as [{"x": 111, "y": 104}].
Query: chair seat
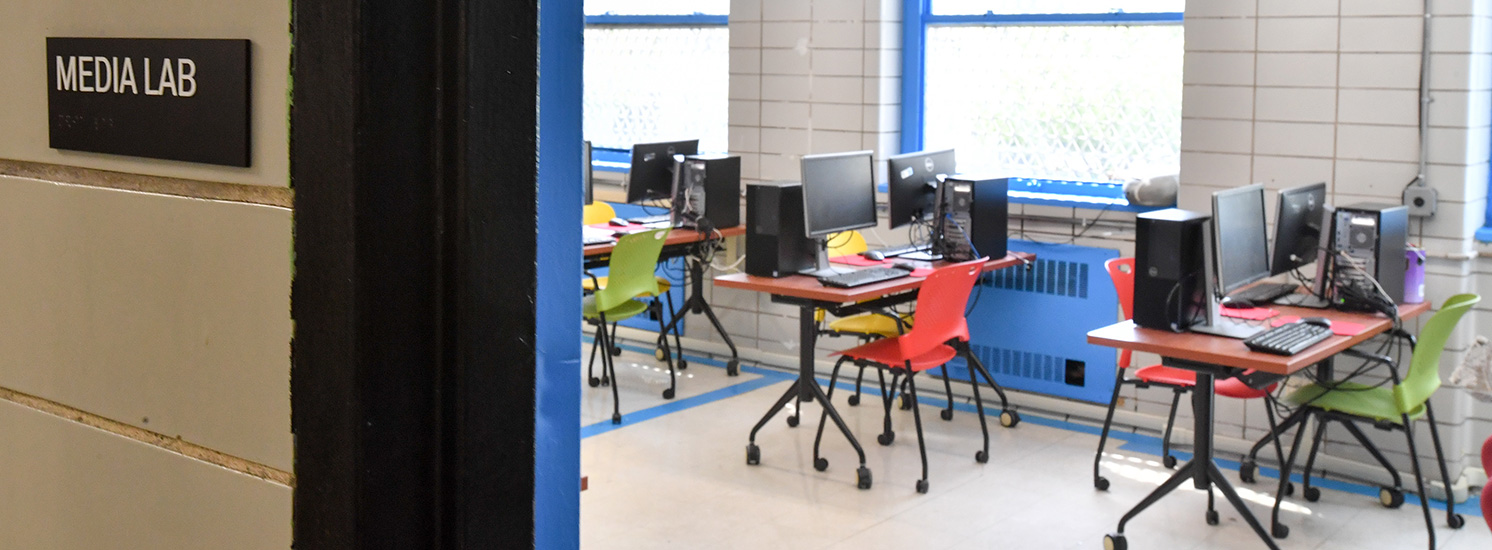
[
  {"x": 1355, "y": 399},
  {"x": 588, "y": 286},
  {"x": 887, "y": 351},
  {"x": 621, "y": 311},
  {"x": 1171, "y": 376},
  {"x": 870, "y": 323}
]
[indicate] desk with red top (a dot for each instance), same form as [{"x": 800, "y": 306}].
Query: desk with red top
[
  {"x": 809, "y": 295},
  {"x": 1216, "y": 356}
]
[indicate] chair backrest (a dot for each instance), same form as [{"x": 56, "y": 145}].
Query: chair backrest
[
  {"x": 1424, "y": 366},
  {"x": 940, "y": 308},
  {"x": 631, "y": 269},
  {"x": 845, "y": 243},
  {"x": 597, "y": 212},
  {"x": 1122, "y": 271}
]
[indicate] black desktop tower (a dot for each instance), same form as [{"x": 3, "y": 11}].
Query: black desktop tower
[
  {"x": 776, "y": 244},
  {"x": 972, "y": 218},
  {"x": 1171, "y": 269},
  {"x": 707, "y": 192},
  {"x": 1368, "y": 241}
]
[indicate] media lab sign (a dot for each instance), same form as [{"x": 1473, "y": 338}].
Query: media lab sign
[{"x": 176, "y": 99}]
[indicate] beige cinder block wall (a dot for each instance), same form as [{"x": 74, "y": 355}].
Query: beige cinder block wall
[{"x": 144, "y": 308}]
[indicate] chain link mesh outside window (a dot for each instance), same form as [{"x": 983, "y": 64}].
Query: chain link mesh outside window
[
  {"x": 976, "y": 7},
  {"x": 658, "y": 7}
]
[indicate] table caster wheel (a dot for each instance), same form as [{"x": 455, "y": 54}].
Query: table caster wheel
[
  {"x": 1212, "y": 517},
  {"x": 821, "y": 464},
  {"x": 885, "y": 439},
  {"x": 854, "y": 400},
  {"x": 1010, "y": 419},
  {"x": 616, "y": 418},
  {"x": 862, "y": 478},
  {"x": 682, "y": 364},
  {"x": 616, "y": 350},
  {"x": 792, "y": 421},
  {"x": 594, "y": 381},
  {"x": 1456, "y": 521},
  {"x": 660, "y": 354},
  {"x": 668, "y": 393},
  {"x": 1101, "y": 483},
  {"x": 1312, "y": 494},
  {"x": 1169, "y": 462},
  {"x": 753, "y": 454},
  {"x": 1280, "y": 531},
  {"x": 605, "y": 381},
  {"x": 981, "y": 457},
  {"x": 946, "y": 414},
  {"x": 922, "y": 486},
  {"x": 1390, "y": 497},
  {"x": 1246, "y": 471},
  {"x": 733, "y": 368},
  {"x": 1115, "y": 542}
]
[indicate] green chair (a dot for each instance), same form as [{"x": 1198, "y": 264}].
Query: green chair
[
  {"x": 1388, "y": 408},
  {"x": 631, "y": 275}
]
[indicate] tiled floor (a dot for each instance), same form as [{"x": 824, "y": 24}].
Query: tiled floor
[{"x": 673, "y": 475}]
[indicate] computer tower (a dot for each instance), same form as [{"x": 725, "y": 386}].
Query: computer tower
[
  {"x": 972, "y": 219},
  {"x": 1171, "y": 269},
  {"x": 707, "y": 191},
  {"x": 776, "y": 244},
  {"x": 1368, "y": 242}
]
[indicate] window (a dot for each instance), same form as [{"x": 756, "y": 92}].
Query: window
[
  {"x": 654, "y": 71},
  {"x": 1085, "y": 90}
]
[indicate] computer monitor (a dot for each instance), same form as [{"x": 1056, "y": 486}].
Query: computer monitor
[
  {"x": 585, "y": 171},
  {"x": 1297, "y": 227},
  {"x": 651, "y": 175},
  {"x": 1240, "y": 238},
  {"x": 914, "y": 184},
  {"x": 839, "y": 194}
]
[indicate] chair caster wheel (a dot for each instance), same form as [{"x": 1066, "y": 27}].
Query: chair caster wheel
[
  {"x": 862, "y": 478},
  {"x": 682, "y": 364},
  {"x": 616, "y": 418},
  {"x": 854, "y": 400},
  {"x": 1280, "y": 531},
  {"x": 1101, "y": 483},
  {"x": 753, "y": 454},
  {"x": 1212, "y": 518},
  {"x": 906, "y": 402},
  {"x": 922, "y": 486},
  {"x": 1009, "y": 418},
  {"x": 733, "y": 368},
  {"x": 792, "y": 421},
  {"x": 594, "y": 381},
  {"x": 821, "y": 464},
  {"x": 981, "y": 457},
  {"x": 1312, "y": 494},
  {"x": 1169, "y": 462},
  {"x": 605, "y": 381},
  {"x": 946, "y": 414},
  {"x": 668, "y": 393},
  {"x": 885, "y": 439},
  {"x": 616, "y": 350},
  {"x": 1456, "y": 521},
  {"x": 660, "y": 354},
  {"x": 1115, "y": 542},
  {"x": 1390, "y": 497},
  {"x": 1246, "y": 471}
]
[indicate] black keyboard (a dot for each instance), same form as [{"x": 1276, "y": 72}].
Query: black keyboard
[
  {"x": 851, "y": 279},
  {"x": 1288, "y": 339},
  {"x": 1264, "y": 293},
  {"x": 644, "y": 220},
  {"x": 899, "y": 250}
]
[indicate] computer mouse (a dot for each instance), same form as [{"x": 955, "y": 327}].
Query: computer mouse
[
  {"x": 873, "y": 255},
  {"x": 1318, "y": 321},
  {"x": 618, "y": 222},
  {"x": 904, "y": 266},
  {"x": 1237, "y": 303}
]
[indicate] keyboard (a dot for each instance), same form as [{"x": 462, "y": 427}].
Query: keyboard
[
  {"x": 861, "y": 277},
  {"x": 1264, "y": 293},
  {"x": 899, "y": 250},
  {"x": 1288, "y": 339},
  {"x": 591, "y": 236},
  {"x": 644, "y": 220}
]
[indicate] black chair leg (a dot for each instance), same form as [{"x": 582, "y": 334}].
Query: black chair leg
[
  {"x": 678, "y": 347},
  {"x": 983, "y": 455},
  {"x": 608, "y": 364},
  {"x": 673, "y": 377},
  {"x": 1451, "y": 517},
  {"x": 1165, "y": 439},
  {"x": 1279, "y": 451},
  {"x": 1276, "y": 528},
  {"x": 1362, "y": 439},
  {"x": 1419, "y": 480},
  {"x": 947, "y": 413},
  {"x": 855, "y": 399},
  {"x": 819, "y": 463},
  {"x": 888, "y": 396},
  {"x": 590, "y": 367},
  {"x": 917, "y": 421},
  {"x": 1099, "y": 482},
  {"x": 1305, "y": 475}
]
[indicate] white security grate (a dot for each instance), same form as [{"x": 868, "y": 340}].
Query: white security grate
[{"x": 646, "y": 84}]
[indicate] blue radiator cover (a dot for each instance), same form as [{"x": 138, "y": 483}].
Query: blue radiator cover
[{"x": 1029, "y": 327}]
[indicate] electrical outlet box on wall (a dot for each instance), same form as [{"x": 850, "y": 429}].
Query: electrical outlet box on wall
[{"x": 1421, "y": 200}]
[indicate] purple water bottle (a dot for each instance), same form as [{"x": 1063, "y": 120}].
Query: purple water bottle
[{"x": 1414, "y": 275}]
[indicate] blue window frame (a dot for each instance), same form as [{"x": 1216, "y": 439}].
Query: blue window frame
[
  {"x": 654, "y": 71},
  {"x": 1085, "y": 90},
  {"x": 1485, "y": 233}
]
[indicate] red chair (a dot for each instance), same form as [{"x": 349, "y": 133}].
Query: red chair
[
  {"x": 940, "y": 334},
  {"x": 1122, "y": 271},
  {"x": 1487, "y": 489}
]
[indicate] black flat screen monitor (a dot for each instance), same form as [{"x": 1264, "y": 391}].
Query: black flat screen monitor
[
  {"x": 914, "y": 184},
  {"x": 585, "y": 171},
  {"x": 1297, "y": 227},
  {"x": 1240, "y": 238},
  {"x": 651, "y": 175},
  {"x": 839, "y": 193}
]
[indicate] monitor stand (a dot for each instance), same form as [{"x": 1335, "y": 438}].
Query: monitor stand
[
  {"x": 1215, "y": 323},
  {"x": 821, "y": 267}
]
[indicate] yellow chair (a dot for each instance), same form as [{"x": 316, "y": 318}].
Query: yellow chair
[
  {"x": 597, "y": 212},
  {"x": 600, "y": 212}
]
